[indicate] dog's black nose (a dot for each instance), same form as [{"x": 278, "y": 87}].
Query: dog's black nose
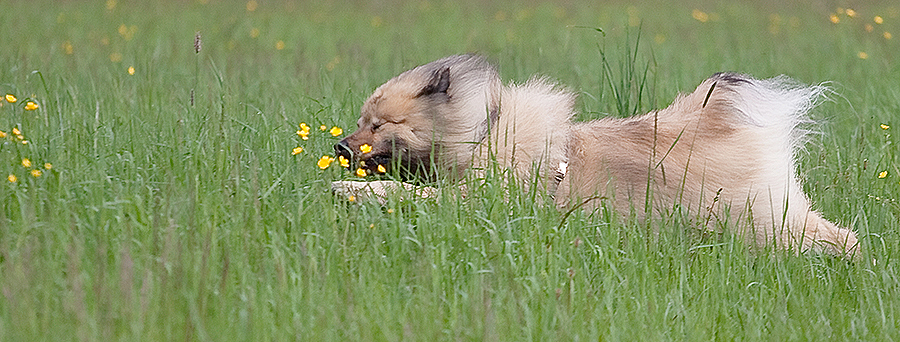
[{"x": 342, "y": 149}]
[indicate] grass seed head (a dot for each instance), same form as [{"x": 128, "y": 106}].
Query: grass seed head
[{"x": 198, "y": 43}]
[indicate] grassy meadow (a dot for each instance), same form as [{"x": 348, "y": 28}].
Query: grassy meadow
[{"x": 152, "y": 192}]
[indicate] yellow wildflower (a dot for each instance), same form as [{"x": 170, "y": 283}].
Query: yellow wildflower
[
  {"x": 372, "y": 226},
  {"x": 303, "y": 134},
  {"x": 2, "y": 134},
  {"x": 297, "y": 150},
  {"x": 835, "y": 19},
  {"x": 887, "y": 35},
  {"x": 304, "y": 127},
  {"x": 10, "y": 98},
  {"x": 36, "y": 173},
  {"x": 131, "y": 70},
  {"x": 48, "y": 166},
  {"x": 390, "y": 211},
  {"x": 851, "y": 13},
  {"x": 324, "y": 162},
  {"x": 31, "y": 106},
  {"x": 16, "y": 131},
  {"x": 882, "y": 174},
  {"x": 11, "y": 178},
  {"x": 351, "y": 198},
  {"x": 361, "y": 172},
  {"x": 879, "y": 19},
  {"x": 336, "y": 131},
  {"x": 862, "y": 55},
  {"x": 344, "y": 161},
  {"x": 381, "y": 169},
  {"x": 323, "y": 128},
  {"x": 279, "y": 45},
  {"x": 26, "y": 162},
  {"x": 68, "y": 48},
  {"x": 883, "y": 126},
  {"x": 700, "y": 15},
  {"x": 365, "y": 148}
]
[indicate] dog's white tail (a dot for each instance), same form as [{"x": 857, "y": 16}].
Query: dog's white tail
[{"x": 778, "y": 104}]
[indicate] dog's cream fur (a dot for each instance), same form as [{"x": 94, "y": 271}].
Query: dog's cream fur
[{"x": 725, "y": 151}]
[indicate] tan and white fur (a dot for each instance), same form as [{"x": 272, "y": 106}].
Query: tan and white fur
[{"x": 726, "y": 151}]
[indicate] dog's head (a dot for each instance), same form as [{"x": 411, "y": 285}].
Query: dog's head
[{"x": 426, "y": 120}]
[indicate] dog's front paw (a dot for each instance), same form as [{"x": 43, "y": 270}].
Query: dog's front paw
[
  {"x": 379, "y": 190},
  {"x": 353, "y": 190},
  {"x": 364, "y": 191}
]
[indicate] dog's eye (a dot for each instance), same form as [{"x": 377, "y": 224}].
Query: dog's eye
[{"x": 375, "y": 127}]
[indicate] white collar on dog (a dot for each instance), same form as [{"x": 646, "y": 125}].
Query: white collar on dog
[{"x": 560, "y": 172}]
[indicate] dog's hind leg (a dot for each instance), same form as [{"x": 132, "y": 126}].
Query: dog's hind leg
[{"x": 821, "y": 235}]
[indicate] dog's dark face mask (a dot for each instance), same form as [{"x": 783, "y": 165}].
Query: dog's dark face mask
[{"x": 389, "y": 157}]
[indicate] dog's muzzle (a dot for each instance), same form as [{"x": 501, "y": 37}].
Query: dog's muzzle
[{"x": 342, "y": 149}]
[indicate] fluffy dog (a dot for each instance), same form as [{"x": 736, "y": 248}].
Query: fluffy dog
[{"x": 726, "y": 150}]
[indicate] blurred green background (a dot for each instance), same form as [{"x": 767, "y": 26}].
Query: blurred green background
[{"x": 174, "y": 209}]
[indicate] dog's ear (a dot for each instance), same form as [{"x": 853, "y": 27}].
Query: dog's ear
[{"x": 439, "y": 82}]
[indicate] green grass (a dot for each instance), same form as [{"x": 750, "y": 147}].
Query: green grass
[{"x": 160, "y": 220}]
